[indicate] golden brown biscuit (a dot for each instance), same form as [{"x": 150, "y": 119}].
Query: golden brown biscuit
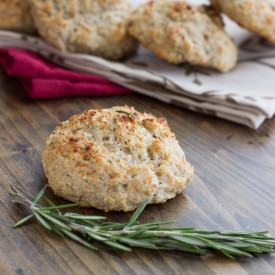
[
  {"x": 113, "y": 159},
  {"x": 15, "y": 16},
  {"x": 96, "y": 27},
  {"x": 178, "y": 32},
  {"x": 255, "y": 15}
]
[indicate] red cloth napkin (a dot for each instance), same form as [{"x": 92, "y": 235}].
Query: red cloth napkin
[{"x": 43, "y": 79}]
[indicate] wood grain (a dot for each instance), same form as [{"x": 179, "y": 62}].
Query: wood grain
[{"x": 233, "y": 188}]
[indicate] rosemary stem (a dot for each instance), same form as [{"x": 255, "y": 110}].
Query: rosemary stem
[{"x": 85, "y": 229}]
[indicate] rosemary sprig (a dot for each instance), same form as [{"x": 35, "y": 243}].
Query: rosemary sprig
[{"x": 87, "y": 229}]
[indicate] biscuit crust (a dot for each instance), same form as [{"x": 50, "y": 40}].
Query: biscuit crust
[
  {"x": 113, "y": 159},
  {"x": 179, "y": 32},
  {"x": 97, "y": 27},
  {"x": 15, "y": 16},
  {"x": 254, "y": 15}
]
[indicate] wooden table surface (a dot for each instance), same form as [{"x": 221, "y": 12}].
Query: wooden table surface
[{"x": 234, "y": 189}]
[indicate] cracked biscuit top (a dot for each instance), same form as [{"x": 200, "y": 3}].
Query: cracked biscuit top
[
  {"x": 179, "y": 32},
  {"x": 113, "y": 159},
  {"x": 97, "y": 27},
  {"x": 255, "y": 15}
]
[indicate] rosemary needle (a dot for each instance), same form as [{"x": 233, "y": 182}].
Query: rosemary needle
[
  {"x": 89, "y": 229},
  {"x": 131, "y": 115}
]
